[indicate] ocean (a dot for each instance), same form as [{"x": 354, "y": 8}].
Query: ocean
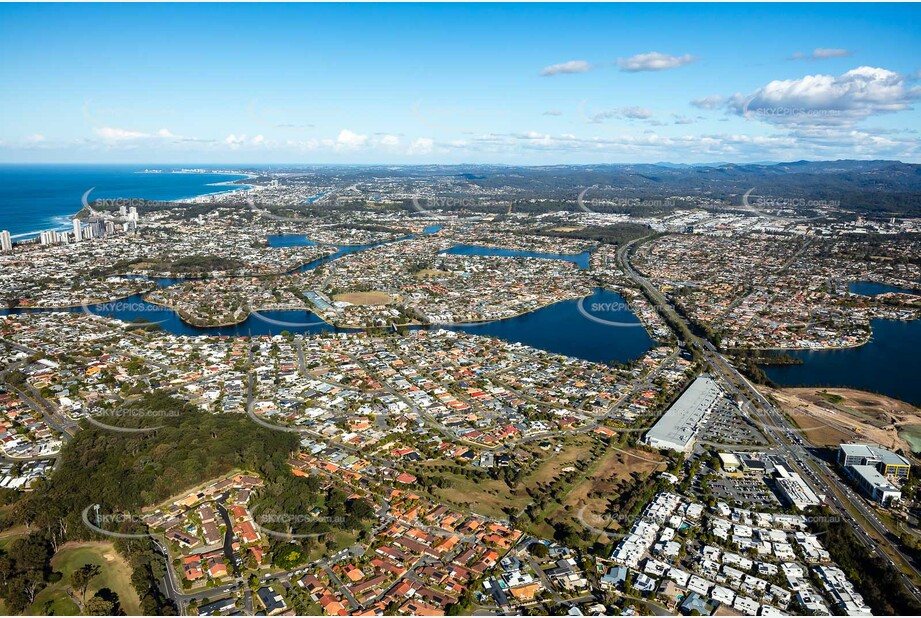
[{"x": 42, "y": 197}]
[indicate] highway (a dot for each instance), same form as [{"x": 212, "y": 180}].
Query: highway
[{"x": 780, "y": 431}]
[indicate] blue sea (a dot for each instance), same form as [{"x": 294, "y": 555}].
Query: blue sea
[{"x": 42, "y": 197}]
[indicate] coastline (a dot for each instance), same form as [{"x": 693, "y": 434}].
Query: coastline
[{"x": 63, "y": 201}]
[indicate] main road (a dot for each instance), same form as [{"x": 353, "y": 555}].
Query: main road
[{"x": 779, "y": 430}]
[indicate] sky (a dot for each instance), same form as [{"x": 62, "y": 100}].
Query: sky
[{"x": 530, "y": 84}]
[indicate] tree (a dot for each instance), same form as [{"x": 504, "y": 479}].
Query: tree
[
  {"x": 98, "y": 606},
  {"x": 539, "y": 550},
  {"x": 81, "y": 578}
]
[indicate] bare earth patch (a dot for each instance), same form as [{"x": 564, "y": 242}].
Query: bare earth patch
[
  {"x": 829, "y": 416},
  {"x": 365, "y": 298}
]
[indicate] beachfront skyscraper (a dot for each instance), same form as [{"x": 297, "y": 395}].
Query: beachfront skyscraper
[
  {"x": 77, "y": 230},
  {"x": 6, "y": 242}
]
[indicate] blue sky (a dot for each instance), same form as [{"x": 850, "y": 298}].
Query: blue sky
[{"x": 420, "y": 83}]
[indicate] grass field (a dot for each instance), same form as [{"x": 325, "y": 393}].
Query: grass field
[
  {"x": 818, "y": 433},
  {"x": 608, "y": 478},
  {"x": 343, "y": 539},
  {"x": 115, "y": 575},
  {"x": 481, "y": 496},
  {"x": 588, "y": 497},
  {"x": 493, "y": 497},
  {"x": 11, "y": 534},
  {"x": 591, "y": 490},
  {"x": 430, "y": 272}
]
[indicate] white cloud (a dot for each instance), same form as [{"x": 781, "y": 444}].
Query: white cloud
[
  {"x": 636, "y": 112},
  {"x": 114, "y": 134},
  {"x": 390, "y": 141},
  {"x": 349, "y": 140},
  {"x": 711, "y": 102},
  {"x": 421, "y": 145},
  {"x": 552, "y": 112},
  {"x": 573, "y": 66},
  {"x": 822, "y": 53},
  {"x": 259, "y": 139},
  {"x": 653, "y": 61},
  {"x": 235, "y": 141},
  {"x": 827, "y": 99},
  {"x": 630, "y": 113},
  {"x": 35, "y": 138}
]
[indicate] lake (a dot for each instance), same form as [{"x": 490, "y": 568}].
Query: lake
[{"x": 887, "y": 364}]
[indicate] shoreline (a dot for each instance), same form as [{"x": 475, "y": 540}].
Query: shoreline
[
  {"x": 189, "y": 320},
  {"x": 829, "y": 348},
  {"x": 356, "y": 327},
  {"x": 84, "y": 304}
]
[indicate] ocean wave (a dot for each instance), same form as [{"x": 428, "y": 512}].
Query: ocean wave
[{"x": 58, "y": 223}]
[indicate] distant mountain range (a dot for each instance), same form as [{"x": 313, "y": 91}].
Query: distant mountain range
[
  {"x": 884, "y": 188},
  {"x": 875, "y": 188}
]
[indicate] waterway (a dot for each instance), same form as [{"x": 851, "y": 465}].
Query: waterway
[
  {"x": 564, "y": 327},
  {"x": 887, "y": 364},
  {"x": 869, "y": 288}
]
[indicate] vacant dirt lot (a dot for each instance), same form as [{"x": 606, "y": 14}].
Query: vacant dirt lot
[
  {"x": 829, "y": 416},
  {"x": 365, "y": 298}
]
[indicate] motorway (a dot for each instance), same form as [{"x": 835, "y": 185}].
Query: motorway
[{"x": 780, "y": 431}]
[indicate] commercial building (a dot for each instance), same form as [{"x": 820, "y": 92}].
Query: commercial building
[
  {"x": 794, "y": 489},
  {"x": 885, "y": 461},
  {"x": 729, "y": 462},
  {"x": 678, "y": 427},
  {"x": 51, "y": 237},
  {"x": 873, "y": 484}
]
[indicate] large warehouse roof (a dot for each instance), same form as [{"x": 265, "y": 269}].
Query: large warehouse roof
[{"x": 679, "y": 425}]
